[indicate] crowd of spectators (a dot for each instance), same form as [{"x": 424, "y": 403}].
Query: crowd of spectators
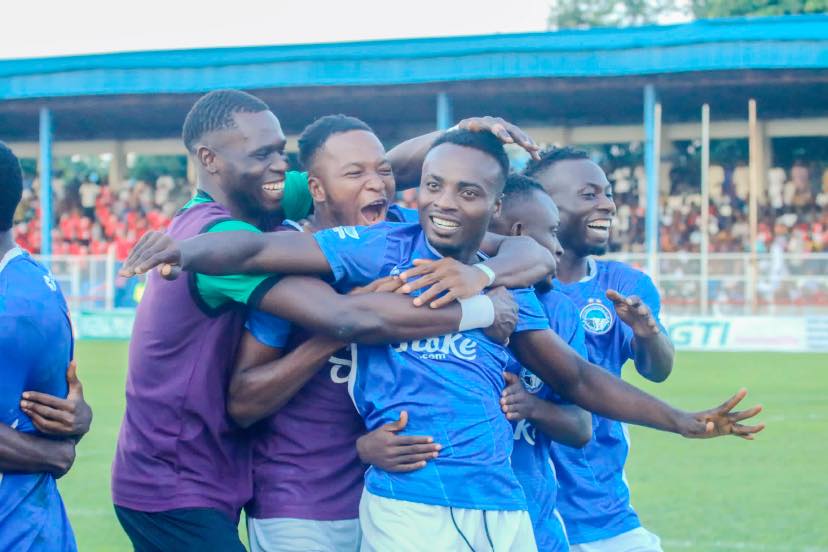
[
  {"x": 91, "y": 217},
  {"x": 94, "y": 218},
  {"x": 793, "y": 211}
]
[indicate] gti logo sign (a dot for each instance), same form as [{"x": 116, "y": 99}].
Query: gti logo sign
[{"x": 700, "y": 333}]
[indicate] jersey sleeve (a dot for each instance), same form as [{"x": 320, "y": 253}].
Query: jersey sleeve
[
  {"x": 531, "y": 315},
  {"x": 358, "y": 255},
  {"x": 646, "y": 290},
  {"x": 268, "y": 329},
  {"x": 247, "y": 289}
]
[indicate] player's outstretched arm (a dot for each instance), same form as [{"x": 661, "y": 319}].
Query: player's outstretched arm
[
  {"x": 654, "y": 352},
  {"x": 517, "y": 261},
  {"x": 407, "y": 158},
  {"x": 383, "y": 317},
  {"x": 565, "y": 423},
  {"x": 69, "y": 417},
  {"x": 386, "y": 449},
  {"x": 224, "y": 253},
  {"x": 20, "y": 452},
  {"x": 264, "y": 380},
  {"x": 594, "y": 389}
]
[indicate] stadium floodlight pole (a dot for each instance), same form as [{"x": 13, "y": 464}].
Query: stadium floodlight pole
[
  {"x": 755, "y": 167},
  {"x": 652, "y": 155},
  {"x": 704, "y": 248},
  {"x": 445, "y": 117},
  {"x": 45, "y": 184}
]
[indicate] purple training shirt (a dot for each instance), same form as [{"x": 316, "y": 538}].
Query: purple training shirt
[
  {"x": 305, "y": 463},
  {"x": 177, "y": 447}
]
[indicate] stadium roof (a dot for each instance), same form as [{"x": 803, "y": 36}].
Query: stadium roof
[
  {"x": 565, "y": 78},
  {"x": 795, "y": 42}
]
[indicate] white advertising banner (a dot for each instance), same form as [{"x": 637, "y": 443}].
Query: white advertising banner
[
  {"x": 689, "y": 333},
  {"x": 748, "y": 333}
]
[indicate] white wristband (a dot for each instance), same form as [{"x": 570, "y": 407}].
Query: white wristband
[
  {"x": 487, "y": 271},
  {"x": 478, "y": 312}
]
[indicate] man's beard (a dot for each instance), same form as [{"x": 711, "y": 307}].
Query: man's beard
[{"x": 596, "y": 250}]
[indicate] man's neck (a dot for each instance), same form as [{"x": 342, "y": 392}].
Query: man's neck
[
  {"x": 572, "y": 267},
  {"x": 323, "y": 218},
  {"x": 218, "y": 195},
  {"x": 6, "y": 242},
  {"x": 465, "y": 255}
]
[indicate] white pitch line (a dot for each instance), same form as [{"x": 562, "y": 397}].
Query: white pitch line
[{"x": 725, "y": 545}]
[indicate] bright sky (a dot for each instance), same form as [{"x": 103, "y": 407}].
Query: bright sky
[{"x": 60, "y": 27}]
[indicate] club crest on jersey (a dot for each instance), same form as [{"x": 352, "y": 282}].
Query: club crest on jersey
[
  {"x": 596, "y": 317},
  {"x": 50, "y": 282},
  {"x": 440, "y": 348},
  {"x": 531, "y": 382},
  {"x": 346, "y": 232}
]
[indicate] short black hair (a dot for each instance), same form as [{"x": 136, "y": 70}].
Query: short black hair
[
  {"x": 519, "y": 188},
  {"x": 11, "y": 186},
  {"x": 486, "y": 142},
  {"x": 551, "y": 156},
  {"x": 318, "y": 132},
  {"x": 214, "y": 111}
]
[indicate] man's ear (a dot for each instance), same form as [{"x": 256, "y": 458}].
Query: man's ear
[
  {"x": 317, "y": 192},
  {"x": 516, "y": 229},
  {"x": 207, "y": 158},
  {"x": 498, "y": 206}
]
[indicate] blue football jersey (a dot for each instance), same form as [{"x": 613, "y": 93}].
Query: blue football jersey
[
  {"x": 531, "y": 459},
  {"x": 396, "y": 213},
  {"x": 35, "y": 350},
  {"x": 450, "y": 385},
  {"x": 593, "y": 497}
]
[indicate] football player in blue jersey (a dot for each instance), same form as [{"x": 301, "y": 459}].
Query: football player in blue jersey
[
  {"x": 39, "y": 432},
  {"x": 618, "y": 308},
  {"x": 307, "y": 446},
  {"x": 538, "y": 414},
  {"x": 469, "y": 494}
]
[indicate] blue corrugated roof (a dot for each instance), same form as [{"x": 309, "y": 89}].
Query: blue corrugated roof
[{"x": 793, "y": 42}]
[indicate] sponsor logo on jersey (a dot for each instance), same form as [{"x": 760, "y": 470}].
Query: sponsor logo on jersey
[
  {"x": 346, "y": 232},
  {"x": 526, "y": 431},
  {"x": 50, "y": 282},
  {"x": 596, "y": 317},
  {"x": 340, "y": 369},
  {"x": 531, "y": 382},
  {"x": 440, "y": 348}
]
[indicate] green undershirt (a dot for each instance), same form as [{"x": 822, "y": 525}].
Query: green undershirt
[{"x": 217, "y": 291}]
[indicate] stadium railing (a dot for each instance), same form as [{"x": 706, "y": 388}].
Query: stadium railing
[
  {"x": 790, "y": 284},
  {"x": 776, "y": 284}
]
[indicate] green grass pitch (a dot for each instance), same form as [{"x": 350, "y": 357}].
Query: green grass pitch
[{"x": 724, "y": 495}]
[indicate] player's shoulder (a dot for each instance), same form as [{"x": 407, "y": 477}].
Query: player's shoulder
[
  {"x": 381, "y": 229},
  {"x": 22, "y": 277},
  {"x": 629, "y": 280},
  {"x": 616, "y": 271},
  {"x": 200, "y": 215},
  {"x": 397, "y": 213}
]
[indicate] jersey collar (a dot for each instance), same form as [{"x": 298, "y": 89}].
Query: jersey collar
[
  {"x": 11, "y": 254},
  {"x": 591, "y": 272}
]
